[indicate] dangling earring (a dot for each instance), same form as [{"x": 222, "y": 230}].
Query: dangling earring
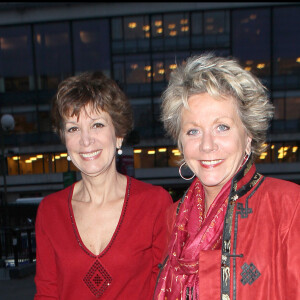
[
  {"x": 181, "y": 174},
  {"x": 120, "y": 151},
  {"x": 69, "y": 158}
]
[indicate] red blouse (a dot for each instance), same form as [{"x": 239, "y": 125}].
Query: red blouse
[{"x": 126, "y": 269}]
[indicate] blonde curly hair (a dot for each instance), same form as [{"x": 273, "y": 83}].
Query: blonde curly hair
[{"x": 219, "y": 77}]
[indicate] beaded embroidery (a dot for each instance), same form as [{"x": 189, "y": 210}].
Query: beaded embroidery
[{"x": 97, "y": 279}]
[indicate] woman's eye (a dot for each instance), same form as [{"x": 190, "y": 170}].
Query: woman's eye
[
  {"x": 192, "y": 132},
  {"x": 98, "y": 125},
  {"x": 223, "y": 127},
  {"x": 72, "y": 129}
]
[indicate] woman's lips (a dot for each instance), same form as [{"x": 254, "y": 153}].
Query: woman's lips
[
  {"x": 90, "y": 155},
  {"x": 209, "y": 164}
]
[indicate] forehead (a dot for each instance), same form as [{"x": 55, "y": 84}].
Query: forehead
[{"x": 88, "y": 112}]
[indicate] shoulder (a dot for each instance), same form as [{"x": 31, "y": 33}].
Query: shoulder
[
  {"x": 147, "y": 190},
  {"x": 55, "y": 199},
  {"x": 281, "y": 188}
]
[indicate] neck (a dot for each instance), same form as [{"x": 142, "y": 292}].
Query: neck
[{"x": 100, "y": 189}]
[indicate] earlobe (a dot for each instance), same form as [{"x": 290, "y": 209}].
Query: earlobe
[
  {"x": 248, "y": 146},
  {"x": 119, "y": 142}
]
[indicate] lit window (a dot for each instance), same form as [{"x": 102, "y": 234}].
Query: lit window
[
  {"x": 158, "y": 23},
  {"x": 184, "y": 21},
  {"x": 185, "y": 28},
  {"x": 151, "y": 152},
  {"x": 132, "y": 25},
  {"x": 260, "y": 66},
  {"x": 171, "y": 26}
]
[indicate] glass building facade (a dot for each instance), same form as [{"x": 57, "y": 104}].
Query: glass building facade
[{"x": 139, "y": 51}]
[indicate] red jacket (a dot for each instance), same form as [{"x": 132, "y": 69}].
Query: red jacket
[{"x": 260, "y": 256}]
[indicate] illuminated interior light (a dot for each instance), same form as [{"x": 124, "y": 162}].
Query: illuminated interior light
[
  {"x": 185, "y": 28},
  {"x": 40, "y": 156},
  {"x": 158, "y": 23},
  {"x": 173, "y": 66},
  {"x": 260, "y": 66},
  {"x": 63, "y": 154},
  {"x": 221, "y": 30},
  {"x": 151, "y": 152},
  {"x": 162, "y": 150},
  {"x": 38, "y": 38},
  {"x": 249, "y": 62},
  {"x": 147, "y": 34},
  {"x": 137, "y": 151},
  {"x": 184, "y": 21},
  {"x": 33, "y": 158},
  {"x": 28, "y": 161},
  {"x": 273, "y": 146},
  {"x": 175, "y": 150},
  {"x": 134, "y": 66},
  {"x": 161, "y": 71},
  {"x": 280, "y": 156},
  {"x": 16, "y": 157},
  {"x": 53, "y": 159},
  {"x": 209, "y": 27},
  {"x": 252, "y": 17},
  {"x": 286, "y": 148},
  {"x": 149, "y": 74},
  {"x": 298, "y": 60},
  {"x": 159, "y": 30},
  {"x": 248, "y": 69},
  {"x": 146, "y": 27},
  {"x": 132, "y": 25},
  {"x": 147, "y": 68},
  {"x": 57, "y": 156},
  {"x": 171, "y": 26},
  {"x": 295, "y": 148},
  {"x": 262, "y": 156},
  {"x": 177, "y": 154}
]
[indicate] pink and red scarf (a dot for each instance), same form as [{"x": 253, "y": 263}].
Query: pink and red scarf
[{"x": 192, "y": 232}]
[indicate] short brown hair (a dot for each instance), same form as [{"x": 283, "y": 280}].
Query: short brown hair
[{"x": 97, "y": 90}]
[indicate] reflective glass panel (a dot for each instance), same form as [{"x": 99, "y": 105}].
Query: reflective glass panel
[
  {"x": 16, "y": 65},
  {"x": 91, "y": 46},
  {"x": 53, "y": 54}
]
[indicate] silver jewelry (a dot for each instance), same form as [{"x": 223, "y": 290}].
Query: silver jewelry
[
  {"x": 120, "y": 151},
  {"x": 181, "y": 174},
  {"x": 69, "y": 158}
]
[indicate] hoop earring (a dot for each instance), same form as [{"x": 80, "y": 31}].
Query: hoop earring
[
  {"x": 120, "y": 151},
  {"x": 69, "y": 158},
  {"x": 181, "y": 174}
]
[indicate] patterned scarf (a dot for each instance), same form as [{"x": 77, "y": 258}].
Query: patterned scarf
[{"x": 192, "y": 232}]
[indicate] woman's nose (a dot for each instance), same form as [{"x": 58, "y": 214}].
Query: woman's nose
[
  {"x": 208, "y": 142},
  {"x": 86, "y": 138}
]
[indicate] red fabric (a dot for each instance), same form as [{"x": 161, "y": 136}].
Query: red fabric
[
  {"x": 192, "y": 232},
  {"x": 268, "y": 238},
  {"x": 132, "y": 257}
]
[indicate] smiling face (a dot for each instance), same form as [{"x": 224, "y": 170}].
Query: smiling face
[
  {"x": 91, "y": 142},
  {"x": 214, "y": 140}
]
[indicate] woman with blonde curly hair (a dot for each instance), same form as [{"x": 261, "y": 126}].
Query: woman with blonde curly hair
[{"x": 235, "y": 233}]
